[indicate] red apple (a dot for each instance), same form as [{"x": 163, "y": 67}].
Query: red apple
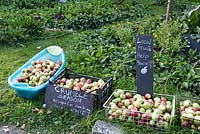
[
  {"x": 147, "y": 96},
  {"x": 79, "y": 84},
  {"x": 163, "y": 99},
  {"x": 120, "y": 104},
  {"x": 128, "y": 95},
  {"x": 134, "y": 113},
  {"x": 89, "y": 81}
]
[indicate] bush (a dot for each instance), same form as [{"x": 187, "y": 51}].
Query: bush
[
  {"x": 20, "y": 25},
  {"x": 92, "y": 14},
  {"x": 112, "y": 49}
]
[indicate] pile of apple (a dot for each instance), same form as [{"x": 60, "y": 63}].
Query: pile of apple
[
  {"x": 39, "y": 72},
  {"x": 82, "y": 83},
  {"x": 144, "y": 110},
  {"x": 190, "y": 114}
]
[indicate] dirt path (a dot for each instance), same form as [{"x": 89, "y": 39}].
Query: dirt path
[{"x": 10, "y": 130}]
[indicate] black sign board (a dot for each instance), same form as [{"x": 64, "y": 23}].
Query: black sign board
[
  {"x": 194, "y": 45},
  {"x": 78, "y": 102},
  {"x": 144, "y": 64}
]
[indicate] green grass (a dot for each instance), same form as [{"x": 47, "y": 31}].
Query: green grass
[{"x": 18, "y": 111}]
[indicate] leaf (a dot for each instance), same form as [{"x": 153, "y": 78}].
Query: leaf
[
  {"x": 23, "y": 126},
  {"x": 185, "y": 84},
  {"x": 7, "y": 113},
  {"x": 49, "y": 111}
]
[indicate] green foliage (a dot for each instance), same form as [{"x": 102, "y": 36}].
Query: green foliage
[
  {"x": 19, "y": 25},
  {"x": 161, "y": 2},
  {"x": 112, "y": 49},
  {"x": 193, "y": 21},
  {"x": 83, "y": 15}
]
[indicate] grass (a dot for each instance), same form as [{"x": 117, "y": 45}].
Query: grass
[{"x": 18, "y": 111}]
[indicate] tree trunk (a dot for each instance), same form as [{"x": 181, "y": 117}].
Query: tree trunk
[{"x": 169, "y": 10}]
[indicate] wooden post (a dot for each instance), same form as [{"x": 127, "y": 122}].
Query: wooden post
[{"x": 169, "y": 10}]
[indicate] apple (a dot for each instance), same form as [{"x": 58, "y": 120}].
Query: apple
[
  {"x": 126, "y": 102},
  {"x": 77, "y": 88},
  {"x": 190, "y": 111},
  {"x": 120, "y": 91},
  {"x": 156, "y": 105},
  {"x": 137, "y": 104},
  {"x": 142, "y": 110},
  {"x": 165, "y": 124},
  {"x": 119, "y": 111},
  {"x": 128, "y": 95},
  {"x": 187, "y": 103},
  {"x": 126, "y": 112},
  {"x": 135, "y": 113},
  {"x": 136, "y": 96},
  {"x": 163, "y": 99},
  {"x": 149, "y": 111},
  {"x": 114, "y": 108},
  {"x": 89, "y": 81},
  {"x": 80, "y": 85},
  {"x": 83, "y": 79},
  {"x": 122, "y": 96},
  {"x": 140, "y": 122},
  {"x": 169, "y": 107},
  {"x": 158, "y": 111},
  {"x": 152, "y": 122},
  {"x": 197, "y": 113},
  {"x": 145, "y": 116},
  {"x": 120, "y": 104},
  {"x": 185, "y": 123},
  {"x": 122, "y": 117},
  {"x": 167, "y": 117},
  {"x": 195, "y": 109},
  {"x": 115, "y": 100},
  {"x": 162, "y": 107},
  {"x": 140, "y": 100},
  {"x": 131, "y": 100},
  {"x": 114, "y": 115},
  {"x": 197, "y": 120},
  {"x": 156, "y": 100},
  {"x": 189, "y": 116},
  {"x": 146, "y": 105},
  {"x": 182, "y": 108},
  {"x": 130, "y": 107},
  {"x": 110, "y": 112},
  {"x": 116, "y": 94},
  {"x": 100, "y": 83},
  {"x": 147, "y": 96},
  {"x": 155, "y": 117},
  {"x": 130, "y": 119}
]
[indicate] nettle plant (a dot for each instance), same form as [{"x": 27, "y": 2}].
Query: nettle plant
[
  {"x": 112, "y": 49},
  {"x": 20, "y": 25},
  {"x": 93, "y": 14}
]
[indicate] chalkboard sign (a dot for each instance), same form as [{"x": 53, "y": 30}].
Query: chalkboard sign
[
  {"x": 144, "y": 64},
  {"x": 78, "y": 102},
  {"x": 194, "y": 45}
]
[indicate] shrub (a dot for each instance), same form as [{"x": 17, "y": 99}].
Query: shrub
[{"x": 20, "y": 25}]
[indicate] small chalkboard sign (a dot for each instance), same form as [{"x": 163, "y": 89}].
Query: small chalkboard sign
[
  {"x": 194, "y": 45},
  {"x": 144, "y": 64},
  {"x": 78, "y": 102}
]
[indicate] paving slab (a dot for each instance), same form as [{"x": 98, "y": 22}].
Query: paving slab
[
  {"x": 102, "y": 127},
  {"x": 11, "y": 130}
]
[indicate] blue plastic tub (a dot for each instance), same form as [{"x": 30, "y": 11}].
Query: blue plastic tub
[{"x": 54, "y": 53}]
